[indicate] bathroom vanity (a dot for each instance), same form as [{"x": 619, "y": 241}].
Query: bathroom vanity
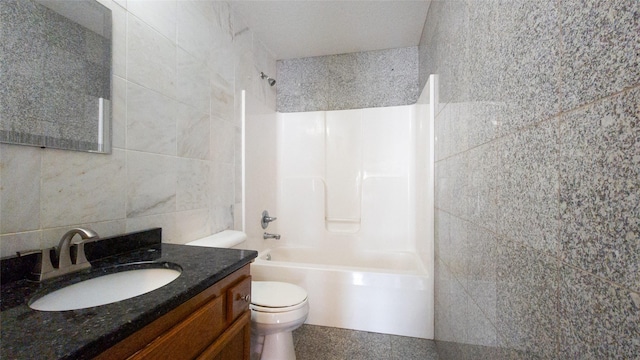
[
  {"x": 213, "y": 324},
  {"x": 204, "y": 313}
]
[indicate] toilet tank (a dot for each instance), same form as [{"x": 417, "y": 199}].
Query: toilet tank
[{"x": 223, "y": 239}]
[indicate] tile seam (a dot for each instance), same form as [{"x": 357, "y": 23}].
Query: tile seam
[
  {"x": 561, "y": 100},
  {"x": 559, "y": 116},
  {"x": 542, "y": 252},
  {"x": 501, "y": 137},
  {"x": 582, "y": 107},
  {"x": 562, "y": 262}
]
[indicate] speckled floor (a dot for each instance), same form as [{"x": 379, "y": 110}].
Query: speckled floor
[{"x": 326, "y": 343}]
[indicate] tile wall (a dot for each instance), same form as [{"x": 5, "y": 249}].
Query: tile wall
[
  {"x": 537, "y": 177},
  {"x": 349, "y": 81},
  {"x": 178, "y": 69}
]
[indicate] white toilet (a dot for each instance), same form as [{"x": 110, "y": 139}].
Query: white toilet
[{"x": 277, "y": 308}]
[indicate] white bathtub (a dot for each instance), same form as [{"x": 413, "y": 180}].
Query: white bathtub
[{"x": 383, "y": 292}]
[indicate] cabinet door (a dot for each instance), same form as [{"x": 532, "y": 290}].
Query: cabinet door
[
  {"x": 190, "y": 337},
  {"x": 234, "y": 344}
]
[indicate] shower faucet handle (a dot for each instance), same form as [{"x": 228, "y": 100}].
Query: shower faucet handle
[{"x": 266, "y": 219}]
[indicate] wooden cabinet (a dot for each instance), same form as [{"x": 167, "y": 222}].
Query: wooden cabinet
[{"x": 214, "y": 324}]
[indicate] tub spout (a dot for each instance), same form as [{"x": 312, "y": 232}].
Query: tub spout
[{"x": 271, "y": 236}]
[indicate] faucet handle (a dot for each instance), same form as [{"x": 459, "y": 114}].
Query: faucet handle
[
  {"x": 29, "y": 252},
  {"x": 266, "y": 219},
  {"x": 43, "y": 263}
]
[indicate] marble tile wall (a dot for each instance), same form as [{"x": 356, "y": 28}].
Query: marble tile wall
[
  {"x": 537, "y": 177},
  {"x": 348, "y": 81},
  {"x": 178, "y": 70}
]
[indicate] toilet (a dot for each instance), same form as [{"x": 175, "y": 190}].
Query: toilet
[{"x": 277, "y": 308}]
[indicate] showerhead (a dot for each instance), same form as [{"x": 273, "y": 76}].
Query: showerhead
[{"x": 271, "y": 81}]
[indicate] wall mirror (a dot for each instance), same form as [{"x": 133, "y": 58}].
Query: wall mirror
[{"x": 55, "y": 74}]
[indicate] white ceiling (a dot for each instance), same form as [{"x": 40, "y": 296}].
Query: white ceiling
[{"x": 304, "y": 28}]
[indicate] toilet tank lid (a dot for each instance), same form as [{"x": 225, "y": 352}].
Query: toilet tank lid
[{"x": 223, "y": 239}]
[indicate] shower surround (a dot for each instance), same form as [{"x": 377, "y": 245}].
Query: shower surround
[
  {"x": 350, "y": 197},
  {"x": 353, "y": 205}
]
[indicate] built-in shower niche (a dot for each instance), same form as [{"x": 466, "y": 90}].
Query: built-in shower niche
[{"x": 347, "y": 174}]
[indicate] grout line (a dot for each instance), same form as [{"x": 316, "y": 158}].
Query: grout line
[
  {"x": 544, "y": 253},
  {"x": 561, "y": 100},
  {"x": 559, "y": 116},
  {"x": 522, "y": 129},
  {"x": 582, "y": 107}
]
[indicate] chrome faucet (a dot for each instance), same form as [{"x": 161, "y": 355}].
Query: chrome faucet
[
  {"x": 63, "y": 251},
  {"x": 45, "y": 268},
  {"x": 266, "y": 219},
  {"x": 266, "y": 236}
]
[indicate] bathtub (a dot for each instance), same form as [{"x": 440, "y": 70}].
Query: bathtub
[{"x": 382, "y": 292}]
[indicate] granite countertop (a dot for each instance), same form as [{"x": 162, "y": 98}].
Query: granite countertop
[{"x": 85, "y": 333}]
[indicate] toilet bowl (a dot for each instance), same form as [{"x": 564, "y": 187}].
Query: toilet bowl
[{"x": 277, "y": 308}]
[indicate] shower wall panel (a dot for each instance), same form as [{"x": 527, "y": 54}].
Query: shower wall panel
[{"x": 346, "y": 175}]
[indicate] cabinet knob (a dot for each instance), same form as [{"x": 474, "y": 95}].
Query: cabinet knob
[{"x": 245, "y": 298}]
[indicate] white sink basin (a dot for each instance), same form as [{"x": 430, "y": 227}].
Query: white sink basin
[{"x": 105, "y": 289}]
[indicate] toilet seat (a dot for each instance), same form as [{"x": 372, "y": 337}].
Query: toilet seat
[
  {"x": 267, "y": 309},
  {"x": 274, "y": 296}
]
